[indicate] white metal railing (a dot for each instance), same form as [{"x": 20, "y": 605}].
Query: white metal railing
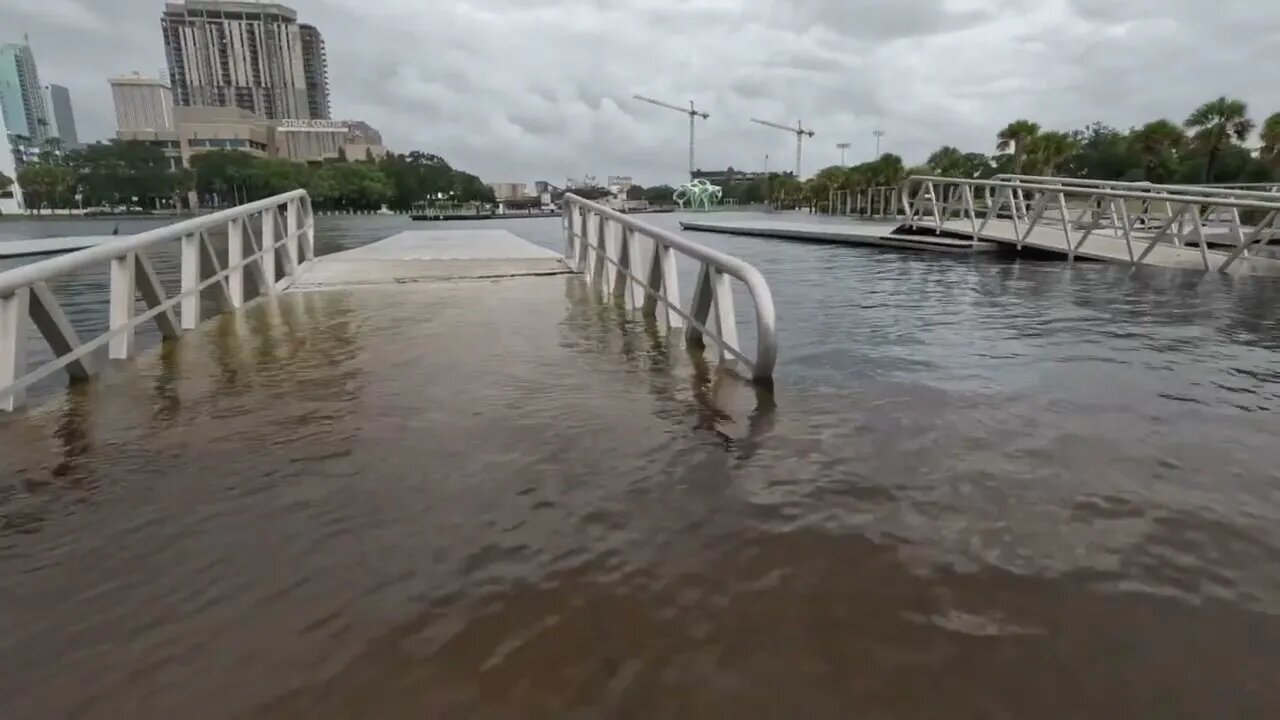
[
  {"x": 25, "y": 296},
  {"x": 1257, "y": 191},
  {"x": 609, "y": 248},
  {"x": 881, "y": 202},
  {"x": 950, "y": 204}
]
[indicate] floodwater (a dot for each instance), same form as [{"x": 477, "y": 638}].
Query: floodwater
[{"x": 982, "y": 488}]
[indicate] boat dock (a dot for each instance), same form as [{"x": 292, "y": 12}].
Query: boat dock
[
  {"x": 419, "y": 256},
  {"x": 1130, "y": 223},
  {"x": 263, "y": 250},
  {"x": 858, "y": 233},
  {"x": 51, "y": 246}
]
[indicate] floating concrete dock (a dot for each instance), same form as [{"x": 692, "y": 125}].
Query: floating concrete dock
[
  {"x": 419, "y": 255},
  {"x": 1143, "y": 247},
  {"x": 269, "y": 248},
  {"x": 855, "y": 233},
  {"x": 51, "y": 246}
]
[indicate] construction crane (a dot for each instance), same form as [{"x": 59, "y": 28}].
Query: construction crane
[
  {"x": 800, "y": 134},
  {"x": 693, "y": 114}
]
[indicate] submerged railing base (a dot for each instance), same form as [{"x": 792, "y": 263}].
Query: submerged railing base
[
  {"x": 276, "y": 251},
  {"x": 636, "y": 263}
]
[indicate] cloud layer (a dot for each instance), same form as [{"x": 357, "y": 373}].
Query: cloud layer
[{"x": 518, "y": 90}]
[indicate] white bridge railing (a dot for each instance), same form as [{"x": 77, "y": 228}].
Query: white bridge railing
[
  {"x": 636, "y": 263},
  {"x": 259, "y": 234},
  {"x": 1083, "y": 210}
]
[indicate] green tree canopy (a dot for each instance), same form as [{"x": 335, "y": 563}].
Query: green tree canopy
[
  {"x": 1271, "y": 139},
  {"x": 1016, "y": 138},
  {"x": 1216, "y": 125}
]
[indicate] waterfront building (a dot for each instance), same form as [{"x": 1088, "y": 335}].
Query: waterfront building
[
  {"x": 142, "y": 103},
  {"x": 250, "y": 55},
  {"x": 63, "y": 116},
  {"x": 507, "y": 191},
  {"x": 11, "y": 196},
  {"x": 22, "y": 99}
]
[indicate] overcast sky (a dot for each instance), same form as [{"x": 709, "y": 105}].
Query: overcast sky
[{"x": 518, "y": 90}]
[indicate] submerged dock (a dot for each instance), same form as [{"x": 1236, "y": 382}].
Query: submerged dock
[
  {"x": 51, "y": 246},
  {"x": 417, "y": 256},
  {"x": 855, "y": 233}
]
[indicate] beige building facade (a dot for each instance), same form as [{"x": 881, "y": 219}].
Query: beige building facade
[
  {"x": 198, "y": 130},
  {"x": 142, "y": 103}
]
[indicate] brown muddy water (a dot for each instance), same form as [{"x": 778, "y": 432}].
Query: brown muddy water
[{"x": 981, "y": 488}]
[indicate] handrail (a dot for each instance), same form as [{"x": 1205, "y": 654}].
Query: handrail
[
  {"x": 1155, "y": 188},
  {"x": 11, "y": 280},
  {"x": 25, "y": 296},
  {"x": 1103, "y": 192},
  {"x": 1104, "y": 210},
  {"x": 597, "y": 238}
]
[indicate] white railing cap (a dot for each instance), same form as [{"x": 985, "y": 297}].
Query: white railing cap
[
  {"x": 1100, "y": 192},
  {"x": 27, "y": 275}
]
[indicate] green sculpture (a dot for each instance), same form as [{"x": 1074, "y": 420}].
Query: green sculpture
[{"x": 700, "y": 195}]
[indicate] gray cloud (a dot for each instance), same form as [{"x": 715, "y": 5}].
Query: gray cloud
[{"x": 522, "y": 90}]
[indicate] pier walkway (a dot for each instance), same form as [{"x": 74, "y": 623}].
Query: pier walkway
[
  {"x": 266, "y": 248},
  {"x": 1206, "y": 228},
  {"x": 864, "y": 233}
]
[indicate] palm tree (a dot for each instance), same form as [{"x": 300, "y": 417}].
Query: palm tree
[
  {"x": 5, "y": 182},
  {"x": 1156, "y": 143},
  {"x": 1271, "y": 139},
  {"x": 1046, "y": 151},
  {"x": 947, "y": 161},
  {"x": 1015, "y": 138},
  {"x": 1216, "y": 124}
]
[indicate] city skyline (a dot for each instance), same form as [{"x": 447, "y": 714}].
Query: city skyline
[{"x": 532, "y": 95}]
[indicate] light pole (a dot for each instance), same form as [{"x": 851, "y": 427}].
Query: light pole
[
  {"x": 843, "y": 146},
  {"x": 879, "y": 134},
  {"x": 766, "y": 181}
]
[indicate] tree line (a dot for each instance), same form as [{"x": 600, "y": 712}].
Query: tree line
[
  {"x": 139, "y": 174},
  {"x": 1207, "y": 147}
]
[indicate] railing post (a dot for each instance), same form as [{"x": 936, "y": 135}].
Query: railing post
[
  {"x": 309, "y": 235},
  {"x": 700, "y": 307},
  {"x": 123, "y": 297},
  {"x": 726, "y": 318},
  {"x": 566, "y": 219},
  {"x": 635, "y": 263},
  {"x": 14, "y": 310},
  {"x": 608, "y": 236},
  {"x": 291, "y": 231},
  {"x": 235, "y": 256},
  {"x": 598, "y": 249},
  {"x": 269, "y": 249},
  {"x": 190, "y": 281}
]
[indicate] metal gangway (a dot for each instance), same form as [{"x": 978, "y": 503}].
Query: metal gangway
[
  {"x": 243, "y": 255},
  {"x": 1212, "y": 229}
]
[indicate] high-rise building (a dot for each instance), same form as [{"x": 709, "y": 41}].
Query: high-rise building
[
  {"x": 315, "y": 66},
  {"x": 22, "y": 100},
  {"x": 10, "y": 193},
  {"x": 248, "y": 55},
  {"x": 64, "y": 118},
  {"x": 142, "y": 103}
]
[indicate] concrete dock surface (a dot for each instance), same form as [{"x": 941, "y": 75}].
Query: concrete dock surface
[{"x": 418, "y": 255}]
